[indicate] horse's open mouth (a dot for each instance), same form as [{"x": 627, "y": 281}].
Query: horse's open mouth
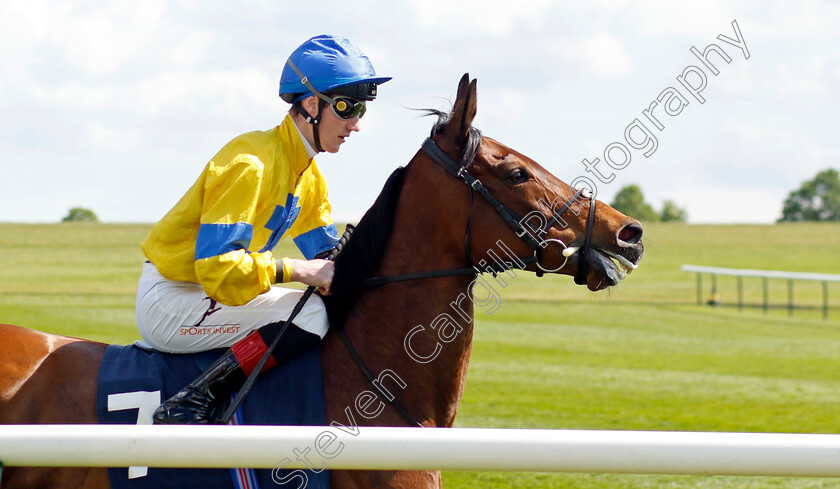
[{"x": 614, "y": 266}]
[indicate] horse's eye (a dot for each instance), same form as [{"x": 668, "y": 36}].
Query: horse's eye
[{"x": 517, "y": 175}]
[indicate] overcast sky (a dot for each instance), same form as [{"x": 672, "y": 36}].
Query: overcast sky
[{"x": 117, "y": 106}]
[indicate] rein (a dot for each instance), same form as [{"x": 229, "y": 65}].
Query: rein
[{"x": 475, "y": 185}]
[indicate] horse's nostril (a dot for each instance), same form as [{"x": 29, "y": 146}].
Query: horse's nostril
[{"x": 631, "y": 233}]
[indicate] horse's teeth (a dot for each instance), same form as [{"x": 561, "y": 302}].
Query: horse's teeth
[{"x": 623, "y": 261}]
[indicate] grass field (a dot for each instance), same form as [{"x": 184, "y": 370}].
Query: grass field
[{"x": 643, "y": 356}]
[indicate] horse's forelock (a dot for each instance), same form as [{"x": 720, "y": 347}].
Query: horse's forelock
[{"x": 470, "y": 148}]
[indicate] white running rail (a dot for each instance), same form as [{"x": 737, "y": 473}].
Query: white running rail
[{"x": 339, "y": 447}]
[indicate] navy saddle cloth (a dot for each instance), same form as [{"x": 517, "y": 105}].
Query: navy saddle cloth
[{"x": 133, "y": 381}]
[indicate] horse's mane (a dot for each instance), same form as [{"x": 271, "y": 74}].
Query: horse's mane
[{"x": 361, "y": 257}]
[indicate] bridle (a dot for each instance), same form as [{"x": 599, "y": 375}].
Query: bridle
[
  {"x": 444, "y": 160},
  {"x": 440, "y": 157},
  {"x": 510, "y": 217}
]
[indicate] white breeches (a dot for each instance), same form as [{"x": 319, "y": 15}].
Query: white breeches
[{"x": 178, "y": 317}]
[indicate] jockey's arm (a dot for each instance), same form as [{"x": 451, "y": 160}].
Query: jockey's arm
[{"x": 317, "y": 273}]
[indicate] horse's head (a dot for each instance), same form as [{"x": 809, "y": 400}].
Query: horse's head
[{"x": 535, "y": 214}]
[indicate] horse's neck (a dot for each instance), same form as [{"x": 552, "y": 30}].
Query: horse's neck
[{"x": 422, "y": 329}]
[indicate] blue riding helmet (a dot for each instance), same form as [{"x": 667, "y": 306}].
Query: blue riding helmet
[{"x": 330, "y": 64}]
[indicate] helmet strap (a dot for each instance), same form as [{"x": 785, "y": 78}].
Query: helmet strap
[{"x": 315, "y": 121}]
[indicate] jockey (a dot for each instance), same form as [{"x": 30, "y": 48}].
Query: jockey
[{"x": 208, "y": 279}]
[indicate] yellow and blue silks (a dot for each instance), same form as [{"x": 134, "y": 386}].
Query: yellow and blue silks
[{"x": 259, "y": 188}]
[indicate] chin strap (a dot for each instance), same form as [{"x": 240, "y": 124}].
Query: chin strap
[{"x": 315, "y": 121}]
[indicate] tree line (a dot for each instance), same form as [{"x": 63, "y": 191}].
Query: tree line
[{"x": 817, "y": 199}]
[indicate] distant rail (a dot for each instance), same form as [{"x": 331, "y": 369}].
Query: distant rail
[{"x": 765, "y": 275}]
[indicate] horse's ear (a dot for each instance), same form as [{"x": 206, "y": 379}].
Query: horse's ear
[{"x": 463, "y": 111}]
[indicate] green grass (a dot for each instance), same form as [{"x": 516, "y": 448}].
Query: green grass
[
  {"x": 643, "y": 356},
  {"x": 75, "y": 279},
  {"x": 622, "y": 366}
]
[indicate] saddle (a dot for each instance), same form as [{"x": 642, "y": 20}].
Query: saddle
[{"x": 134, "y": 379}]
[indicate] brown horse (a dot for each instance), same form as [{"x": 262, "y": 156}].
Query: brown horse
[{"x": 414, "y": 332}]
